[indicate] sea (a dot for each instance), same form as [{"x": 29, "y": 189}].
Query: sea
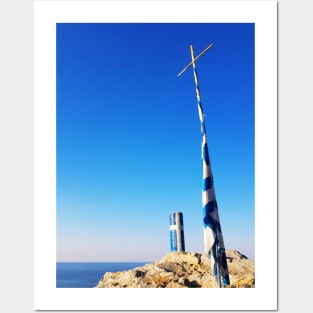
[{"x": 87, "y": 275}]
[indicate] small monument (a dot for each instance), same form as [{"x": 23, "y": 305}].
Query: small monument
[{"x": 177, "y": 232}]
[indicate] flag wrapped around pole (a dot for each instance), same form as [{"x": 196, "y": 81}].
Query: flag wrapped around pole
[{"x": 213, "y": 237}]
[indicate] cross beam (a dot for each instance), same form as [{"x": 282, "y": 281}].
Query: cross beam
[{"x": 195, "y": 59}]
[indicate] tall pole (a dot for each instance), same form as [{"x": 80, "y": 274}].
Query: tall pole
[{"x": 213, "y": 238}]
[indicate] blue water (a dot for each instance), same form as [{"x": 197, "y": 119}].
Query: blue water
[{"x": 87, "y": 275}]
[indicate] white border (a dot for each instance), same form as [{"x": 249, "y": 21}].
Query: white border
[{"x": 264, "y": 15}]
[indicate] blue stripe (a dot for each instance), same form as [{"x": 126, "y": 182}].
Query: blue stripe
[
  {"x": 224, "y": 268},
  {"x": 209, "y": 208},
  {"x": 207, "y": 183},
  {"x": 200, "y": 106},
  {"x": 173, "y": 238},
  {"x": 208, "y": 221},
  {"x": 172, "y": 218},
  {"x": 206, "y": 154},
  {"x": 181, "y": 219},
  {"x": 218, "y": 226},
  {"x": 182, "y": 240},
  {"x": 226, "y": 280},
  {"x": 203, "y": 128}
]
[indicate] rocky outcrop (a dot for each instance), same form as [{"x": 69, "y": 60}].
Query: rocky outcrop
[{"x": 182, "y": 270}]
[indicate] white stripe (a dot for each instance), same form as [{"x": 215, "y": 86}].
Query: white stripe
[
  {"x": 200, "y": 113},
  {"x": 179, "y": 241},
  {"x": 175, "y": 227},
  {"x": 209, "y": 239},
  {"x": 203, "y": 139},
  {"x": 206, "y": 170},
  {"x": 207, "y": 196}
]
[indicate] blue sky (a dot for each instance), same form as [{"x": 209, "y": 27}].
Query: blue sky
[{"x": 129, "y": 138}]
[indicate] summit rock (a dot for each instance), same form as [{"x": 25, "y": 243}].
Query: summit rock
[{"x": 182, "y": 270}]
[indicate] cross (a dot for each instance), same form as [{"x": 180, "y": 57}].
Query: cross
[{"x": 193, "y": 59}]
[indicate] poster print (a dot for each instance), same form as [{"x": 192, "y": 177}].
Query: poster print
[{"x": 119, "y": 140}]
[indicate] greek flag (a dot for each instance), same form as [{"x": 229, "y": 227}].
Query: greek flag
[{"x": 213, "y": 238}]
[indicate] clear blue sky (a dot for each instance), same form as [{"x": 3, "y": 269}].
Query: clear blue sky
[{"x": 129, "y": 138}]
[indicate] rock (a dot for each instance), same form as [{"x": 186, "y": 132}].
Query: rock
[{"x": 182, "y": 270}]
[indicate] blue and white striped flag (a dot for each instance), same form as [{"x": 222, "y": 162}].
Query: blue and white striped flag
[{"x": 213, "y": 238}]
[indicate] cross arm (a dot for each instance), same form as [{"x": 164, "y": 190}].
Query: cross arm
[{"x": 196, "y": 58}]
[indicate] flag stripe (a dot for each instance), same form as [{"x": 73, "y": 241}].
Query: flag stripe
[
  {"x": 209, "y": 208},
  {"x": 207, "y": 183},
  {"x": 205, "y": 154}
]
